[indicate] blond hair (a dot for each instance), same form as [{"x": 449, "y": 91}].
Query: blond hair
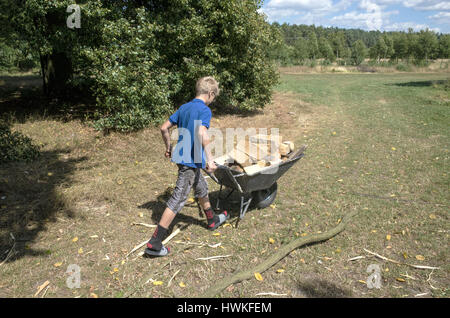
[{"x": 207, "y": 84}]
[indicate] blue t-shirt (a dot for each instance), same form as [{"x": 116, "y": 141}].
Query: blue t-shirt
[{"x": 189, "y": 117}]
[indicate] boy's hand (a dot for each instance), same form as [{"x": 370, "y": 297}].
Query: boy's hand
[
  {"x": 168, "y": 153},
  {"x": 211, "y": 167}
]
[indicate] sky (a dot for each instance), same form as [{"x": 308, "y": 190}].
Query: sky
[{"x": 382, "y": 15}]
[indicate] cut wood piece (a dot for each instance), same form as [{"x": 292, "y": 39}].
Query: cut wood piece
[
  {"x": 275, "y": 161},
  {"x": 262, "y": 166},
  {"x": 290, "y": 144},
  {"x": 261, "y": 138},
  {"x": 273, "y": 157},
  {"x": 252, "y": 170},
  {"x": 268, "y": 144},
  {"x": 223, "y": 160},
  {"x": 241, "y": 157},
  {"x": 268, "y": 149},
  {"x": 263, "y": 163},
  {"x": 284, "y": 149},
  {"x": 254, "y": 151}
]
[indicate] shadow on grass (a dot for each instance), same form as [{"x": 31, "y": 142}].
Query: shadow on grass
[
  {"x": 419, "y": 83},
  {"x": 21, "y": 97},
  {"x": 29, "y": 200},
  {"x": 320, "y": 288},
  {"x": 158, "y": 206}
]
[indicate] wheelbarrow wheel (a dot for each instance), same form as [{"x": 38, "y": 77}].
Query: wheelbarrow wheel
[{"x": 264, "y": 198}]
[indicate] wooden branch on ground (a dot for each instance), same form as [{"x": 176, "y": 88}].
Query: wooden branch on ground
[
  {"x": 40, "y": 288},
  {"x": 400, "y": 263},
  {"x": 170, "y": 280},
  {"x": 145, "y": 224},
  {"x": 171, "y": 236},
  {"x": 136, "y": 248},
  {"x": 270, "y": 294},
  {"x": 282, "y": 252},
  {"x": 211, "y": 258}
]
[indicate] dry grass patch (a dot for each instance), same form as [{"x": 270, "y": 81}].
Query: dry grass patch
[{"x": 77, "y": 204}]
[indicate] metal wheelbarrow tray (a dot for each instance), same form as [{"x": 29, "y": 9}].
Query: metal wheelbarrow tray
[{"x": 261, "y": 187}]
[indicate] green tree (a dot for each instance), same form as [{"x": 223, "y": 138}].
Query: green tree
[
  {"x": 141, "y": 58},
  {"x": 325, "y": 49},
  {"x": 42, "y": 24},
  {"x": 444, "y": 46},
  {"x": 313, "y": 45},
  {"x": 427, "y": 45},
  {"x": 390, "y": 50},
  {"x": 359, "y": 52},
  {"x": 338, "y": 43},
  {"x": 400, "y": 44},
  {"x": 300, "y": 50},
  {"x": 380, "y": 48},
  {"x": 411, "y": 38}
]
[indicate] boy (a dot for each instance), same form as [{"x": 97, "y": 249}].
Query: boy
[{"x": 193, "y": 120}]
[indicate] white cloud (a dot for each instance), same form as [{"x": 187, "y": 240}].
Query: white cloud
[
  {"x": 427, "y": 5},
  {"x": 404, "y": 26},
  {"x": 372, "y": 19},
  {"x": 302, "y": 11},
  {"x": 364, "y": 14},
  {"x": 277, "y": 14},
  {"x": 441, "y": 17},
  {"x": 420, "y": 5},
  {"x": 300, "y": 5}
]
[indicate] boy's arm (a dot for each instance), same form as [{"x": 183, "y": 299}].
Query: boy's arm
[
  {"x": 206, "y": 141},
  {"x": 166, "y": 137}
]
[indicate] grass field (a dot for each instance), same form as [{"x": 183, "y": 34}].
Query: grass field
[{"x": 377, "y": 144}]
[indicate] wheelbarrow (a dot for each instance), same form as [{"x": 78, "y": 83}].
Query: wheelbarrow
[{"x": 259, "y": 188}]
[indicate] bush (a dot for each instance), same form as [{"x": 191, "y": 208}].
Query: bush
[
  {"x": 325, "y": 62},
  {"x": 150, "y": 58},
  {"x": 365, "y": 68},
  {"x": 421, "y": 63},
  {"x": 344, "y": 62},
  {"x": 312, "y": 63},
  {"x": 403, "y": 67},
  {"x": 16, "y": 147}
]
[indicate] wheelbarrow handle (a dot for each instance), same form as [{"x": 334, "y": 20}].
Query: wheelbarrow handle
[{"x": 211, "y": 175}]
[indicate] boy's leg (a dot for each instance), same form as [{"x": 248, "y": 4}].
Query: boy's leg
[
  {"x": 204, "y": 203},
  {"x": 167, "y": 218},
  {"x": 201, "y": 191},
  {"x": 176, "y": 202}
]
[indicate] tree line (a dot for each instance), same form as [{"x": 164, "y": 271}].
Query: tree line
[{"x": 302, "y": 44}]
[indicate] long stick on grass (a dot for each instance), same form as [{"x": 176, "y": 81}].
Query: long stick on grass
[
  {"x": 400, "y": 263},
  {"x": 171, "y": 236},
  {"x": 275, "y": 258}
]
